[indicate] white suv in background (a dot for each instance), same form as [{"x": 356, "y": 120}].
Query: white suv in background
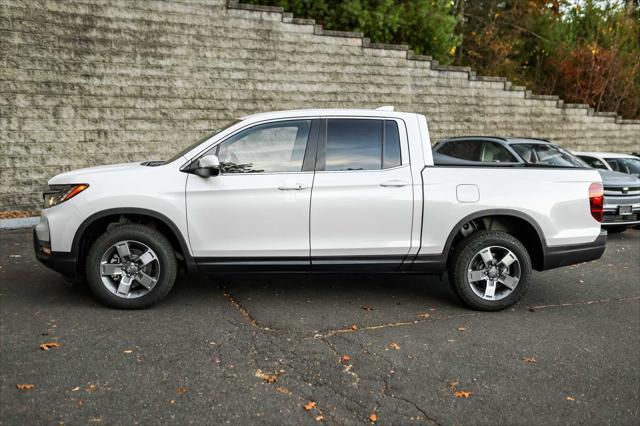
[{"x": 624, "y": 163}]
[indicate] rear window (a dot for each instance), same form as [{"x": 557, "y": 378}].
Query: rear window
[{"x": 477, "y": 150}]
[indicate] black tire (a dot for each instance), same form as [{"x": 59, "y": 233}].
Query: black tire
[
  {"x": 616, "y": 229},
  {"x": 152, "y": 238},
  {"x": 462, "y": 257}
]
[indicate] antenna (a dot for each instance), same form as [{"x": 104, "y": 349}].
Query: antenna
[{"x": 385, "y": 108}]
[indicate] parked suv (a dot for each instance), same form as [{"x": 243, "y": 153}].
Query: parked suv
[
  {"x": 623, "y": 163},
  {"x": 318, "y": 191},
  {"x": 622, "y": 191}
]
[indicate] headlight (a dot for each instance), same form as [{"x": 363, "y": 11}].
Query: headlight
[{"x": 60, "y": 193}]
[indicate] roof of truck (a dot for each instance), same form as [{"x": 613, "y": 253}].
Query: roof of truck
[{"x": 326, "y": 112}]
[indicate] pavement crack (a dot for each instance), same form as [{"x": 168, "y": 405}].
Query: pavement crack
[
  {"x": 331, "y": 333},
  {"x": 240, "y": 308},
  {"x": 588, "y": 302}
]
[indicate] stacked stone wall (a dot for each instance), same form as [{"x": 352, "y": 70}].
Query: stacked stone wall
[{"x": 88, "y": 82}]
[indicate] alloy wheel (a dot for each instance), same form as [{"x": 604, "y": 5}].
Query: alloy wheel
[
  {"x": 494, "y": 273},
  {"x": 129, "y": 269}
]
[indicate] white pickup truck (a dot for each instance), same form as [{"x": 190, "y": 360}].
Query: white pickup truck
[{"x": 349, "y": 191}]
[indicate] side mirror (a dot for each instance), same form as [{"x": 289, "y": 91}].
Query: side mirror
[{"x": 209, "y": 165}]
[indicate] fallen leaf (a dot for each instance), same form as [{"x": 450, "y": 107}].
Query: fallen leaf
[
  {"x": 284, "y": 390},
  {"x": 461, "y": 328},
  {"x": 13, "y": 214},
  {"x": 394, "y": 345},
  {"x": 268, "y": 378},
  {"x": 462, "y": 394},
  {"x": 182, "y": 390},
  {"x": 569, "y": 398},
  {"x": 529, "y": 359},
  {"x": 354, "y": 327},
  {"x": 345, "y": 358},
  {"x": 424, "y": 315},
  {"x": 309, "y": 405},
  {"x": 319, "y": 418},
  {"x": 453, "y": 384},
  {"x": 367, "y": 308},
  {"x": 373, "y": 417},
  {"x": 49, "y": 345},
  {"x": 25, "y": 386}
]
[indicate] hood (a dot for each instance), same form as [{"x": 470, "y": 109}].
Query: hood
[
  {"x": 610, "y": 178},
  {"x": 84, "y": 175}
]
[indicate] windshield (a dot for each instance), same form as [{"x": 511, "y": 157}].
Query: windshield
[
  {"x": 547, "y": 155},
  {"x": 625, "y": 165},
  {"x": 199, "y": 141}
]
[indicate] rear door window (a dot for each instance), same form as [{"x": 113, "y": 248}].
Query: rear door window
[{"x": 362, "y": 144}]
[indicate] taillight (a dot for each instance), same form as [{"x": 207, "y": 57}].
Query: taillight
[{"x": 596, "y": 201}]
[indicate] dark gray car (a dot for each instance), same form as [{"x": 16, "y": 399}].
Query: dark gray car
[{"x": 621, "y": 191}]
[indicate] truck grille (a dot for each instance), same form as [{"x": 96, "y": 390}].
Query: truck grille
[
  {"x": 616, "y": 196},
  {"x": 618, "y": 190}
]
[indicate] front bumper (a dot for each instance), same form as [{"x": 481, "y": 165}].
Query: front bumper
[
  {"x": 565, "y": 255},
  {"x": 62, "y": 262},
  {"x": 613, "y": 219}
]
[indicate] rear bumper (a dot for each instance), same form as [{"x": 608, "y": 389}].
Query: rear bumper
[
  {"x": 557, "y": 256},
  {"x": 62, "y": 262}
]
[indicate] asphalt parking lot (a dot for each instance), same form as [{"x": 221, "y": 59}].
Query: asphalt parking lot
[{"x": 333, "y": 349}]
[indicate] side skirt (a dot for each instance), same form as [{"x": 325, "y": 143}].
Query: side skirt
[{"x": 341, "y": 264}]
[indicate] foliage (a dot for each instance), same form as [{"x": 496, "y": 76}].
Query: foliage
[
  {"x": 585, "y": 51},
  {"x": 426, "y": 25}
]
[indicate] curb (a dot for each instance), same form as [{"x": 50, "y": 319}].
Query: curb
[{"x": 19, "y": 223}]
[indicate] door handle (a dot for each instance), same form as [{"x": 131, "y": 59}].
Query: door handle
[
  {"x": 291, "y": 187},
  {"x": 395, "y": 183}
]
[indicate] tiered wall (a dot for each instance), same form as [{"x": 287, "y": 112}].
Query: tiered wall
[{"x": 87, "y": 82}]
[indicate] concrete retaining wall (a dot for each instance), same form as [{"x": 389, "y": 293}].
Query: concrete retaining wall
[{"x": 88, "y": 82}]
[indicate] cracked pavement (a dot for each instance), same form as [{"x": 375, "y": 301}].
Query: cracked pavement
[{"x": 193, "y": 359}]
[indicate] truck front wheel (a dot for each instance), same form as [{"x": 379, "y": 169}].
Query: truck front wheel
[
  {"x": 490, "y": 270},
  {"x": 131, "y": 267}
]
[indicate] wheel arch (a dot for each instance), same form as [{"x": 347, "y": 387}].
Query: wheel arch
[
  {"x": 516, "y": 223},
  {"x": 98, "y": 222}
]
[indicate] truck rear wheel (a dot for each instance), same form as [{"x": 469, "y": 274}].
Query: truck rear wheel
[
  {"x": 490, "y": 270},
  {"x": 131, "y": 267}
]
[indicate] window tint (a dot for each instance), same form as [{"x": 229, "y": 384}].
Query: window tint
[
  {"x": 354, "y": 144},
  {"x": 593, "y": 162},
  {"x": 545, "y": 154},
  {"x": 391, "y": 156},
  {"x": 476, "y": 150},
  {"x": 272, "y": 147},
  {"x": 625, "y": 165},
  {"x": 199, "y": 141},
  {"x": 362, "y": 144}
]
